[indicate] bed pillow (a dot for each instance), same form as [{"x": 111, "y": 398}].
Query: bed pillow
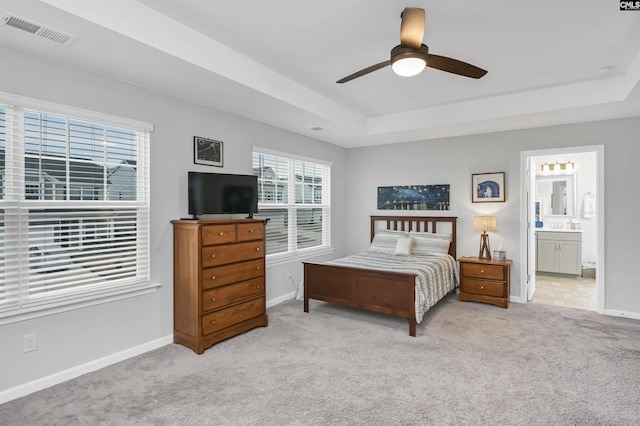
[
  {"x": 415, "y": 234},
  {"x": 385, "y": 241},
  {"x": 404, "y": 246},
  {"x": 428, "y": 243}
]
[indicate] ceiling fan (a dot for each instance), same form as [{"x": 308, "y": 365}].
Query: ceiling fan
[{"x": 411, "y": 56}]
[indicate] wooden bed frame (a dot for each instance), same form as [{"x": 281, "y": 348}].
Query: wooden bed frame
[{"x": 391, "y": 293}]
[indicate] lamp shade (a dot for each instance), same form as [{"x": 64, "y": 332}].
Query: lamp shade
[{"x": 485, "y": 223}]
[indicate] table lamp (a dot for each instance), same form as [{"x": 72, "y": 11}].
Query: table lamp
[{"x": 484, "y": 224}]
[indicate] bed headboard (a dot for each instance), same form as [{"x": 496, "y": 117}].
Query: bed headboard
[{"x": 420, "y": 224}]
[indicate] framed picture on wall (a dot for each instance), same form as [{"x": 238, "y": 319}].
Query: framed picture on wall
[
  {"x": 207, "y": 151},
  {"x": 487, "y": 187}
]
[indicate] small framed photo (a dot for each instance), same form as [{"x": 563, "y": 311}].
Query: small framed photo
[
  {"x": 207, "y": 151},
  {"x": 487, "y": 187}
]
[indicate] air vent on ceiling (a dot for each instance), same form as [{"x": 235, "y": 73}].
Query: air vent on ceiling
[{"x": 43, "y": 31}]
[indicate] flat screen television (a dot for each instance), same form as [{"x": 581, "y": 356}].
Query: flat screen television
[{"x": 220, "y": 193}]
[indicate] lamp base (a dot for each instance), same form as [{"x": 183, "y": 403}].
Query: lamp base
[{"x": 485, "y": 252}]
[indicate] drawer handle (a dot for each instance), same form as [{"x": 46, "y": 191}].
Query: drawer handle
[
  {"x": 213, "y": 256},
  {"x": 213, "y": 299},
  {"x": 257, "y": 248},
  {"x": 257, "y": 286},
  {"x": 251, "y": 231},
  {"x": 257, "y": 268},
  {"x": 481, "y": 287},
  {"x": 213, "y": 277},
  {"x": 482, "y": 271},
  {"x": 221, "y": 233},
  {"x": 213, "y": 322}
]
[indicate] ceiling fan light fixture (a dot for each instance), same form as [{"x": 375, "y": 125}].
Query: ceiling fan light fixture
[
  {"x": 407, "y": 61},
  {"x": 408, "y": 67}
]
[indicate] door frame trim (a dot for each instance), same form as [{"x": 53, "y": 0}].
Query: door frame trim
[{"x": 600, "y": 203}]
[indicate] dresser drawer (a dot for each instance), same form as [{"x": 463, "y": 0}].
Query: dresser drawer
[
  {"x": 222, "y": 296},
  {"x": 228, "y": 274},
  {"x": 218, "y": 234},
  {"x": 479, "y": 270},
  {"x": 223, "y": 254},
  {"x": 218, "y": 320},
  {"x": 487, "y": 288},
  {"x": 250, "y": 231}
]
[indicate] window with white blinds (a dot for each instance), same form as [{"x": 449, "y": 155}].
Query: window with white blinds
[
  {"x": 74, "y": 207},
  {"x": 295, "y": 195}
]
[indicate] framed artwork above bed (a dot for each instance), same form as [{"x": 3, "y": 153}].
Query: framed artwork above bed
[
  {"x": 487, "y": 187},
  {"x": 414, "y": 197}
]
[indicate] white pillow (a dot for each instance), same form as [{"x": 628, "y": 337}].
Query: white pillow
[
  {"x": 385, "y": 241},
  {"x": 430, "y": 235},
  {"x": 403, "y": 246},
  {"x": 428, "y": 243}
]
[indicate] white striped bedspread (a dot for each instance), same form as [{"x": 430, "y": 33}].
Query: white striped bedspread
[{"x": 436, "y": 275}]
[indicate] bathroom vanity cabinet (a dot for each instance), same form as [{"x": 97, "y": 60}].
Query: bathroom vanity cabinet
[{"x": 559, "y": 252}]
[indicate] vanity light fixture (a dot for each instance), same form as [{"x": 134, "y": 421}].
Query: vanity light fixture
[
  {"x": 557, "y": 167},
  {"x": 484, "y": 224},
  {"x": 567, "y": 167}
]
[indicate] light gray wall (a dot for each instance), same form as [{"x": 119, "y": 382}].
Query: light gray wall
[
  {"x": 453, "y": 160},
  {"x": 74, "y": 338}
]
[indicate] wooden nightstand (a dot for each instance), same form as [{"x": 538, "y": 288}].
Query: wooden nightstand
[{"x": 484, "y": 281}]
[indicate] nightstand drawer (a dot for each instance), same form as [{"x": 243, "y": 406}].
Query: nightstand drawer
[
  {"x": 479, "y": 270},
  {"x": 487, "y": 288}
]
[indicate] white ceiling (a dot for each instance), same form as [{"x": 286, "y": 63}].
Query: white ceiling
[{"x": 276, "y": 61}]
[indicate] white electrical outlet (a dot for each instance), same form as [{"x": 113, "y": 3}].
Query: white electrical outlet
[{"x": 30, "y": 342}]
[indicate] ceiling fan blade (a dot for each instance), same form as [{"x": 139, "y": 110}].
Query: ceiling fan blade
[
  {"x": 364, "y": 71},
  {"x": 412, "y": 27},
  {"x": 454, "y": 66}
]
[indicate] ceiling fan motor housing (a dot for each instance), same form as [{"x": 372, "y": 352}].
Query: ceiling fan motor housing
[{"x": 400, "y": 52}]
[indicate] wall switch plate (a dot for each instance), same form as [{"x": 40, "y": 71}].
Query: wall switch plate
[{"x": 30, "y": 342}]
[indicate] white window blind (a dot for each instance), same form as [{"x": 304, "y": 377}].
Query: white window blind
[
  {"x": 295, "y": 195},
  {"x": 74, "y": 208}
]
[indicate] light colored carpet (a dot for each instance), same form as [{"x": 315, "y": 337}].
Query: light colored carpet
[{"x": 469, "y": 364}]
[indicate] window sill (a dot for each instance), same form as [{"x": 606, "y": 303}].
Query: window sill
[
  {"x": 280, "y": 259},
  {"x": 28, "y": 312}
]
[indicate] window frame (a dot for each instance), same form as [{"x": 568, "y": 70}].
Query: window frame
[
  {"x": 17, "y": 204},
  {"x": 293, "y": 252}
]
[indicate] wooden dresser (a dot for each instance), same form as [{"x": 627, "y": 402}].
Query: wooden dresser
[
  {"x": 484, "y": 281},
  {"x": 218, "y": 280}
]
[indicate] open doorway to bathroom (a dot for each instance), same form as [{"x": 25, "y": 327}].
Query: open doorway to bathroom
[{"x": 564, "y": 227}]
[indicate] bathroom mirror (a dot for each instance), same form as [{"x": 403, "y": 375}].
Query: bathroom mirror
[{"x": 558, "y": 193}]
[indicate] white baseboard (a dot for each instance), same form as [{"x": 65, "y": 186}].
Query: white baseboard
[
  {"x": 278, "y": 300},
  {"x": 79, "y": 370},
  {"x": 622, "y": 314}
]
